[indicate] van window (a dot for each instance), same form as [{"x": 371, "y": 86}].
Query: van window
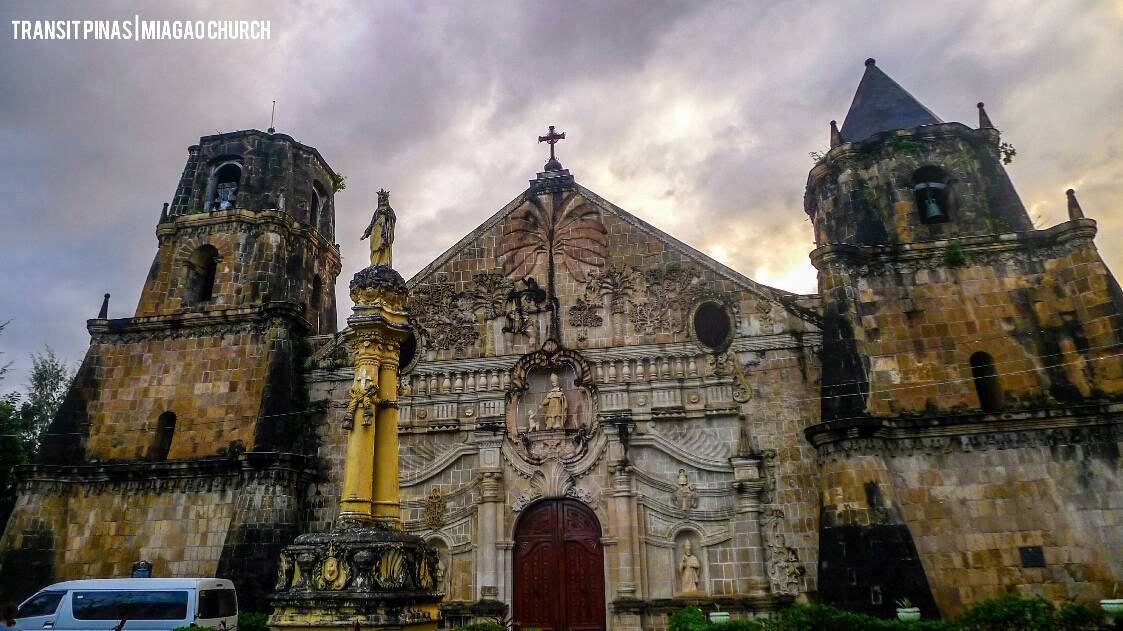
[
  {"x": 130, "y": 605},
  {"x": 217, "y": 603},
  {"x": 41, "y": 604}
]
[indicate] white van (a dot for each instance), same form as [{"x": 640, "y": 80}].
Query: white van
[{"x": 145, "y": 604}]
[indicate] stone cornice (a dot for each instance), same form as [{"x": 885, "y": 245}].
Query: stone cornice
[
  {"x": 261, "y": 218},
  {"x": 1057, "y": 235},
  {"x": 904, "y": 436},
  {"x": 856, "y": 150},
  {"x": 139, "y": 476},
  {"x": 191, "y": 323}
]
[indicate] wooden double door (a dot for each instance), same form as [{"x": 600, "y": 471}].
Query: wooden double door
[{"x": 559, "y": 568}]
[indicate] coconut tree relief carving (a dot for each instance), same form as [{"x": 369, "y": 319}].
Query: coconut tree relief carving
[{"x": 551, "y": 231}]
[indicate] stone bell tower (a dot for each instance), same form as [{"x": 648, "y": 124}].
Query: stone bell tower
[
  {"x": 943, "y": 307},
  {"x": 187, "y": 414}
]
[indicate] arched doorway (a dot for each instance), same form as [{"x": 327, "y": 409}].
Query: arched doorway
[{"x": 559, "y": 568}]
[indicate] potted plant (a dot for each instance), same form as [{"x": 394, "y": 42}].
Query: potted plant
[
  {"x": 719, "y": 616},
  {"x": 1112, "y": 606},
  {"x": 906, "y": 612}
]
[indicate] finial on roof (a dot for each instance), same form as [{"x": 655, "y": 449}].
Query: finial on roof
[
  {"x": 984, "y": 120},
  {"x": 1074, "y": 210},
  {"x": 164, "y": 213},
  {"x": 104, "y": 312},
  {"x": 871, "y": 62},
  {"x": 552, "y": 137},
  {"x": 836, "y": 138}
]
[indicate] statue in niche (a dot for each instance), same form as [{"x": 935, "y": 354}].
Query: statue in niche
[
  {"x": 442, "y": 571},
  {"x": 381, "y": 231},
  {"x": 685, "y": 497},
  {"x": 553, "y": 409},
  {"x": 690, "y": 570}
]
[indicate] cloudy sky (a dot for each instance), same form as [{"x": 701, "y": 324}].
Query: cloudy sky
[{"x": 696, "y": 116}]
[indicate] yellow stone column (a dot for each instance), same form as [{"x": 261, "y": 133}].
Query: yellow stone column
[
  {"x": 387, "y": 498},
  {"x": 374, "y": 336},
  {"x": 357, "y": 497}
]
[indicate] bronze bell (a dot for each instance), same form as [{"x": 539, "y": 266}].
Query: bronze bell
[
  {"x": 932, "y": 210},
  {"x": 927, "y": 194}
]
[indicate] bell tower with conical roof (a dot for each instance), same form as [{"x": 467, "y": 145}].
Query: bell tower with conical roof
[
  {"x": 946, "y": 316},
  {"x": 896, "y": 173}
]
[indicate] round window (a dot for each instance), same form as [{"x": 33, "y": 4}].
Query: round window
[
  {"x": 408, "y": 354},
  {"x": 712, "y": 326}
]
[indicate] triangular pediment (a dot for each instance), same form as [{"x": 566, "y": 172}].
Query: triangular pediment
[{"x": 614, "y": 277}]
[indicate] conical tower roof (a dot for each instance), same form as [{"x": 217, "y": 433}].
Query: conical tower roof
[{"x": 881, "y": 104}]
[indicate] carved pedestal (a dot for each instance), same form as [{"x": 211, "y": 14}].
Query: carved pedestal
[{"x": 379, "y": 578}]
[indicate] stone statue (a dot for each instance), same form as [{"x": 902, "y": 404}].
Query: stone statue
[
  {"x": 554, "y": 405},
  {"x": 685, "y": 496},
  {"x": 690, "y": 570},
  {"x": 363, "y": 396},
  {"x": 442, "y": 571},
  {"x": 381, "y": 231}
]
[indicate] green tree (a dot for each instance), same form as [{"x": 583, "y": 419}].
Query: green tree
[
  {"x": 23, "y": 420},
  {"x": 50, "y": 377}
]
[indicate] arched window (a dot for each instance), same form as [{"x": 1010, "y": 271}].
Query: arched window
[
  {"x": 986, "y": 382},
  {"x": 162, "y": 442},
  {"x": 222, "y": 186},
  {"x": 316, "y": 207},
  {"x": 201, "y": 270},
  {"x": 930, "y": 188},
  {"x": 314, "y": 302}
]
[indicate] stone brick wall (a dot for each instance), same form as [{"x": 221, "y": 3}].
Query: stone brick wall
[
  {"x": 99, "y": 530},
  {"x": 1043, "y": 305},
  {"x": 273, "y": 165},
  {"x": 972, "y": 494},
  {"x": 862, "y": 193},
  {"x": 212, "y": 379},
  {"x": 263, "y": 257}
]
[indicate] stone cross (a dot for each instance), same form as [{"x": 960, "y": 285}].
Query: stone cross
[{"x": 552, "y": 138}]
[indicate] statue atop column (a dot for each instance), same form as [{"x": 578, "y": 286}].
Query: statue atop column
[
  {"x": 381, "y": 231},
  {"x": 365, "y": 574}
]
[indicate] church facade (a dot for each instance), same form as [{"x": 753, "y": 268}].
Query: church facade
[{"x": 599, "y": 424}]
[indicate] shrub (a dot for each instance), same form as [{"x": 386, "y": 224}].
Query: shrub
[
  {"x": 1009, "y": 612},
  {"x": 1077, "y": 616},
  {"x": 954, "y": 256},
  {"x": 799, "y": 617},
  {"x": 688, "y": 619},
  {"x": 478, "y": 626},
  {"x": 253, "y": 621}
]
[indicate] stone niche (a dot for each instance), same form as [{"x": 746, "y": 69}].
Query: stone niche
[{"x": 537, "y": 410}]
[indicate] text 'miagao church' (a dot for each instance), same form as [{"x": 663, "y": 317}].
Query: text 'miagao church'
[{"x": 600, "y": 424}]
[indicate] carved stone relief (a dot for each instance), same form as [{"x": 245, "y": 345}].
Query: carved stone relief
[
  {"x": 445, "y": 320},
  {"x": 668, "y": 294},
  {"x": 685, "y": 497},
  {"x": 551, "y": 481},
  {"x": 785, "y": 572},
  {"x": 434, "y": 512}
]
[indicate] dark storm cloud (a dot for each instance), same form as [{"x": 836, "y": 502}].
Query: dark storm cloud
[{"x": 696, "y": 116}]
